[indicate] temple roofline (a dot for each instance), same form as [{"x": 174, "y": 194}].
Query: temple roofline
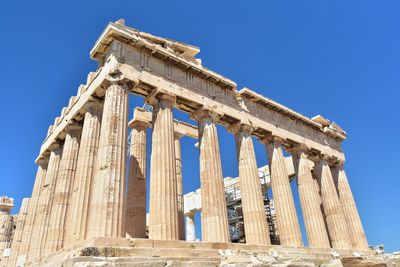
[{"x": 126, "y": 35}]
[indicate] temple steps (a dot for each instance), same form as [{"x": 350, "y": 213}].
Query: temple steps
[{"x": 144, "y": 252}]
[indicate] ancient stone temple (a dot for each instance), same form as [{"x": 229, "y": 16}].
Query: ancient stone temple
[{"x": 88, "y": 204}]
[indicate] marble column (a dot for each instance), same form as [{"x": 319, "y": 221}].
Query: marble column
[
  {"x": 163, "y": 217},
  {"x": 45, "y": 203},
  {"x": 288, "y": 224},
  {"x": 136, "y": 199},
  {"x": 76, "y": 223},
  {"x": 179, "y": 187},
  {"x": 255, "y": 220},
  {"x": 33, "y": 217},
  {"x": 6, "y": 228},
  {"x": 356, "y": 230},
  {"x": 6, "y": 231},
  {"x": 317, "y": 234},
  {"x": 190, "y": 228},
  {"x": 108, "y": 193},
  {"x": 333, "y": 211},
  {"x": 62, "y": 193},
  {"x": 214, "y": 218},
  {"x": 19, "y": 231}
]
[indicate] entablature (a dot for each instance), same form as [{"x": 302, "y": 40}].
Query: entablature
[
  {"x": 145, "y": 42},
  {"x": 231, "y": 107},
  {"x": 149, "y": 65}
]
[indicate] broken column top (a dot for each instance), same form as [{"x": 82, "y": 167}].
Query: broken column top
[{"x": 6, "y": 204}]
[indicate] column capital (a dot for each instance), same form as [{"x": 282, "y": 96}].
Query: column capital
[
  {"x": 56, "y": 147},
  {"x": 116, "y": 77},
  {"x": 73, "y": 128},
  {"x": 43, "y": 162},
  {"x": 139, "y": 125},
  {"x": 325, "y": 159},
  {"x": 272, "y": 139},
  {"x": 338, "y": 163},
  {"x": 203, "y": 112},
  {"x": 158, "y": 95},
  {"x": 93, "y": 103},
  {"x": 298, "y": 149},
  {"x": 240, "y": 127}
]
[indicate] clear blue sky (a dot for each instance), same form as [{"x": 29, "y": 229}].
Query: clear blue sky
[{"x": 340, "y": 59}]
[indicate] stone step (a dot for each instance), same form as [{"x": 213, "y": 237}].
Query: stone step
[
  {"x": 150, "y": 252},
  {"x": 144, "y": 252},
  {"x": 89, "y": 261}
]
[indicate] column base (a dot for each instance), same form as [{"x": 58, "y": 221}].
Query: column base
[{"x": 136, "y": 252}]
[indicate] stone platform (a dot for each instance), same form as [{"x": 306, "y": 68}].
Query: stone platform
[{"x": 144, "y": 252}]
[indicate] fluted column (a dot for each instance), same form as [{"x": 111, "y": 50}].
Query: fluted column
[
  {"x": 288, "y": 224},
  {"x": 136, "y": 200},
  {"x": 356, "y": 230},
  {"x": 19, "y": 231},
  {"x": 6, "y": 231},
  {"x": 33, "y": 216},
  {"x": 317, "y": 234},
  {"x": 179, "y": 187},
  {"x": 45, "y": 203},
  {"x": 163, "y": 220},
  {"x": 107, "y": 196},
  {"x": 333, "y": 211},
  {"x": 214, "y": 218},
  {"x": 255, "y": 220},
  {"x": 77, "y": 215},
  {"x": 62, "y": 194},
  {"x": 190, "y": 228}
]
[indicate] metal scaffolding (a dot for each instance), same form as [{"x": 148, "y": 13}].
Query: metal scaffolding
[{"x": 235, "y": 213}]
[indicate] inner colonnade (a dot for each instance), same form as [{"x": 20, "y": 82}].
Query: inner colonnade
[{"x": 79, "y": 191}]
